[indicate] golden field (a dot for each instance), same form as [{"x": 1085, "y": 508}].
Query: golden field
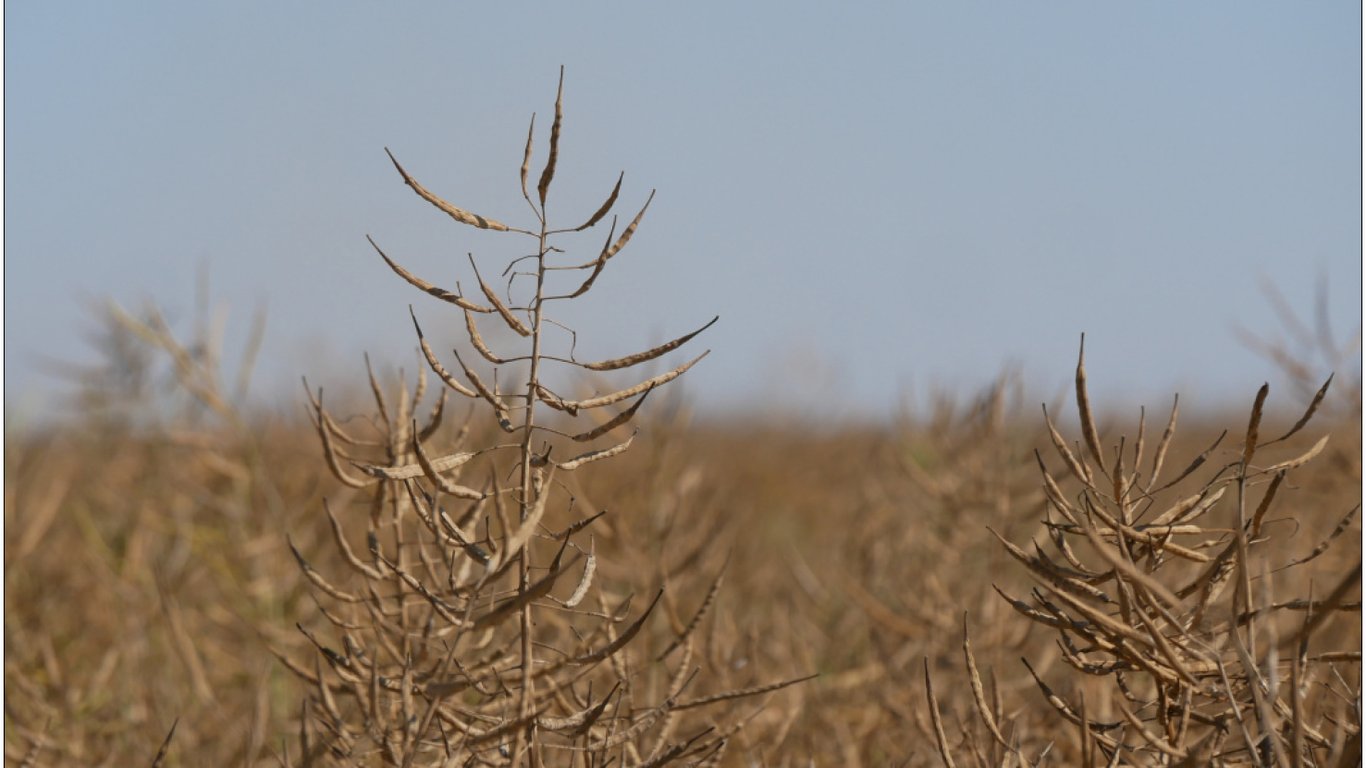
[
  {"x": 149, "y": 580},
  {"x": 485, "y": 562}
]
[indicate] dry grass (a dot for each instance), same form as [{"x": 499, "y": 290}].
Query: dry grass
[{"x": 410, "y": 582}]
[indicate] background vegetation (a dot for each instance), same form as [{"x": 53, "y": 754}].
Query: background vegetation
[
  {"x": 148, "y": 578},
  {"x": 980, "y": 584}
]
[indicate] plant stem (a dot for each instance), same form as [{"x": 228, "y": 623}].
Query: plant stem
[{"x": 527, "y": 479}]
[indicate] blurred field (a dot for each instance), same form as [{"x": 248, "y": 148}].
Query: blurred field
[
  {"x": 148, "y": 580},
  {"x": 463, "y": 569}
]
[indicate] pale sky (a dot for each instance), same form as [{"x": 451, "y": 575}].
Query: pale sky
[{"x": 876, "y": 198}]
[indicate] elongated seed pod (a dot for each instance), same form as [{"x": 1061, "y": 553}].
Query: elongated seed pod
[
  {"x": 707, "y": 602},
  {"x": 459, "y": 214},
  {"x": 1308, "y": 413},
  {"x": 410, "y": 471},
  {"x": 649, "y": 354},
  {"x": 1088, "y": 422},
  {"x": 330, "y": 453},
  {"x": 477, "y": 341},
  {"x": 533, "y": 592},
  {"x": 597, "y": 265},
  {"x": 1160, "y": 454},
  {"x": 619, "y": 395},
  {"x": 446, "y": 377},
  {"x": 1079, "y": 468},
  {"x": 741, "y": 693},
  {"x": 516, "y": 325},
  {"x": 622, "y": 639},
  {"x": 978, "y": 694},
  {"x": 611, "y": 249},
  {"x": 345, "y": 548},
  {"x": 526, "y": 157},
  {"x": 1188, "y": 508},
  {"x": 605, "y": 207},
  {"x": 434, "y": 420},
  {"x": 1302, "y": 458},
  {"x": 527, "y": 529},
  {"x": 630, "y": 229},
  {"x": 423, "y": 285},
  {"x": 591, "y": 456},
  {"x": 1254, "y": 424},
  {"x": 578, "y": 722},
  {"x": 941, "y": 740},
  {"x": 616, "y": 421},
  {"x": 499, "y": 408},
  {"x": 554, "y": 156},
  {"x": 589, "y": 568},
  {"x": 446, "y": 486}
]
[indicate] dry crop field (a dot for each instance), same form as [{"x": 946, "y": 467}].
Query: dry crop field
[{"x": 513, "y": 555}]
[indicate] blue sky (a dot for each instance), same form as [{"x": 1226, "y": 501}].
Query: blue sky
[{"x": 877, "y": 198}]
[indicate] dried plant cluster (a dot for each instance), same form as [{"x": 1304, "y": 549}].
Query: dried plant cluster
[
  {"x": 973, "y": 587},
  {"x": 471, "y": 631},
  {"x": 1171, "y": 600}
]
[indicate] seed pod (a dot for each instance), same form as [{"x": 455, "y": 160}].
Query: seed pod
[{"x": 459, "y": 214}]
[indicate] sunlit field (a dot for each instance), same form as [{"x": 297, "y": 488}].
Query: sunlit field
[{"x": 510, "y": 554}]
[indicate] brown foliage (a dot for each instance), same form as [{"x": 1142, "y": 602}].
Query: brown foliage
[{"x": 978, "y": 585}]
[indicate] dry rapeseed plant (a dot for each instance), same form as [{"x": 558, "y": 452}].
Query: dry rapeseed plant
[
  {"x": 1184, "y": 652},
  {"x": 468, "y": 630},
  {"x": 138, "y": 548}
]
